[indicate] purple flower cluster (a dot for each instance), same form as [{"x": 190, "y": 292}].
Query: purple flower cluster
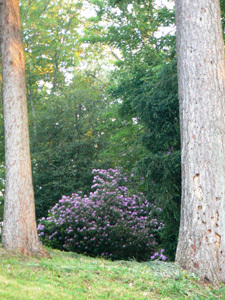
[
  {"x": 110, "y": 222},
  {"x": 158, "y": 256}
]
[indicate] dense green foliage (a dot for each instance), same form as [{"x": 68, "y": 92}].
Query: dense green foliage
[
  {"x": 67, "y": 143},
  {"x": 66, "y": 100},
  {"x": 80, "y": 120},
  {"x": 102, "y": 93},
  {"x": 156, "y": 103},
  {"x": 145, "y": 85},
  {"x": 222, "y": 6}
]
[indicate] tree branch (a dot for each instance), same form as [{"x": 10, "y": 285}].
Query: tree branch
[{"x": 114, "y": 54}]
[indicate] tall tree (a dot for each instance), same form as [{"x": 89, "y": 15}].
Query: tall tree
[
  {"x": 19, "y": 230},
  {"x": 201, "y": 78}
]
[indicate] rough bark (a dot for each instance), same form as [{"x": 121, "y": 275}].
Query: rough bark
[
  {"x": 201, "y": 75},
  {"x": 19, "y": 229}
]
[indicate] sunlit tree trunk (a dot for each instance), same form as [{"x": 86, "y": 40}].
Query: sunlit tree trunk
[
  {"x": 19, "y": 229},
  {"x": 200, "y": 51}
]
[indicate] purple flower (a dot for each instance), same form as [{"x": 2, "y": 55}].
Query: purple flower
[
  {"x": 163, "y": 257},
  {"x": 40, "y": 227}
]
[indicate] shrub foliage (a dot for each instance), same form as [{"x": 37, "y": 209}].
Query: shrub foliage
[{"x": 109, "y": 222}]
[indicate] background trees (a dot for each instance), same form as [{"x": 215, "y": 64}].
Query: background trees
[
  {"x": 102, "y": 92},
  {"x": 67, "y": 81},
  {"x": 66, "y": 97},
  {"x": 68, "y": 142},
  {"x": 145, "y": 84}
]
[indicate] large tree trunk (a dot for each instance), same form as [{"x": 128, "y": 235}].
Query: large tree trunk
[
  {"x": 200, "y": 51},
  {"x": 19, "y": 229}
]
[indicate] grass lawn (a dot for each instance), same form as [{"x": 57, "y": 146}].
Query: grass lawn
[{"x": 68, "y": 275}]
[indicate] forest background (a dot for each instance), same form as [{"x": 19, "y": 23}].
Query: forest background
[{"x": 102, "y": 93}]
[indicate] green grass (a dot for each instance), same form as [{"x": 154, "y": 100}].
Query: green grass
[{"x": 71, "y": 276}]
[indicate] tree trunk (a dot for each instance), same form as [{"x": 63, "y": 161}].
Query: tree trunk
[
  {"x": 19, "y": 229},
  {"x": 201, "y": 79}
]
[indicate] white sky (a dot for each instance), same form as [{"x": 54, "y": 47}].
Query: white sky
[{"x": 89, "y": 11}]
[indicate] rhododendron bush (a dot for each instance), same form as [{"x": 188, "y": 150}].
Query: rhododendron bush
[{"x": 109, "y": 222}]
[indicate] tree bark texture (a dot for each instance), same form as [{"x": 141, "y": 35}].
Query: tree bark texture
[
  {"x": 201, "y": 80},
  {"x": 19, "y": 223}
]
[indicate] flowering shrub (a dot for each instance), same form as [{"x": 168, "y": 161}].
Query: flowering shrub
[
  {"x": 109, "y": 223},
  {"x": 158, "y": 256}
]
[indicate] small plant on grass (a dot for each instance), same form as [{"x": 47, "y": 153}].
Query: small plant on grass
[
  {"x": 1, "y": 225},
  {"x": 109, "y": 222},
  {"x": 159, "y": 255}
]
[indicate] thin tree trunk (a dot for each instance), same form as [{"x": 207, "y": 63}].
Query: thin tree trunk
[
  {"x": 55, "y": 71},
  {"x": 19, "y": 229},
  {"x": 30, "y": 99},
  {"x": 200, "y": 51}
]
